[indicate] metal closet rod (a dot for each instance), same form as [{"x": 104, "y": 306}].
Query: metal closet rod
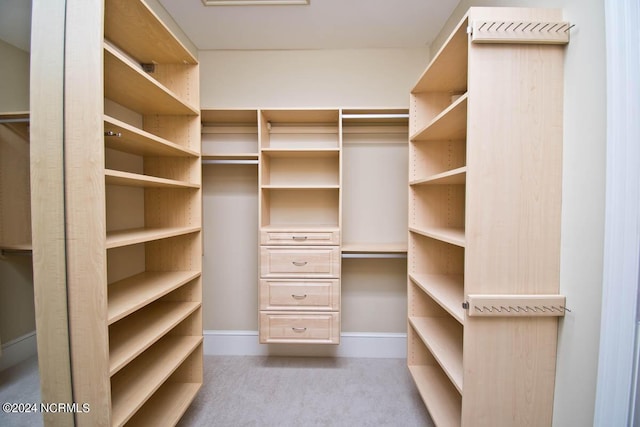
[
  {"x": 17, "y": 120},
  {"x": 366, "y": 255},
  {"x": 229, "y": 162},
  {"x": 376, "y": 116}
]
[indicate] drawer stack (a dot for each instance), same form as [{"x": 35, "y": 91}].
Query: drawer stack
[{"x": 299, "y": 285}]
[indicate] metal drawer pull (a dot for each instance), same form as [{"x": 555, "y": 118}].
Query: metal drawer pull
[
  {"x": 294, "y": 296},
  {"x": 299, "y": 237},
  {"x": 299, "y": 263},
  {"x": 299, "y": 330}
]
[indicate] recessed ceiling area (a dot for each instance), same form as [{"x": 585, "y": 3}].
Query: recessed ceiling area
[{"x": 322, "y": 24}]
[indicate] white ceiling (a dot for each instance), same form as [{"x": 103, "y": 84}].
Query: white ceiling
[{"x": 323, "y": 24}]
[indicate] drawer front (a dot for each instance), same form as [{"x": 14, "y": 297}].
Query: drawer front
[
  {"x": 300, "y": 295},
  {"x": 311, "y": 328},
  {"x": 319, "y": 261},
  {"x": 293, "y": 238}
]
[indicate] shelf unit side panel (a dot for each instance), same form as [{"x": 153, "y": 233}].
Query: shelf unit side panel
[
  {"x": 85, "y": 210},
  {"x": 509, "y": 371},
  {"x": 180, "y": 79},
  {"x": 436, "y": 157},
  {"x": 515, "y": 166}
]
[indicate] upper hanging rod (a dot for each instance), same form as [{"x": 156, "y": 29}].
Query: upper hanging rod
[
  {"x": 16, "y": 120},
  {"x": 374, "y": 116}
]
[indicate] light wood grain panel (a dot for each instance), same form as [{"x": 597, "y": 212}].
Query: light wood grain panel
[
  {"x": 299, "y": 237},
  {"x": 435, "y": 157},
  {"x": 181, "y": 129},
  {"x": 523, "y": 184},
  {"x": 47, "y": 205},
  {"x": 113, "y": 177},
  {"x": 509, "y": 367},
  {"x": 446, "y": 290},
  {"x": 451, "y": 123},
  {"x": 85, "y": 210},
  {"x": 133, "y": 26}
]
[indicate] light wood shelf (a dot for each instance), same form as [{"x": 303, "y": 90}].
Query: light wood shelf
[
  {"x": 443, "y": 338},
  {"x": 301, "y": 152},
  {"x": 133, "y": 293},
  {"x": 133, "y": 26},
  {"x": 132, "y": 335},
  {"x": 450, "y": 124},
  {"x": 452, "y": 177},
  {"x": 135, "y": 384},
  {"x": 16, "y": 247},
  {"x": 445, "y": 289},
  {"x": 134, "y": 236},
  {"x": 447, "y": 71},
  {"x": 453, "y": 236},
  {"x": 300, "y": 187},
  {"x": 441, "y": 399},
  {"x": 167, "y": 405},
  {"x": 127, "y": 84},
  {"x": 137, "y": 141},
  {"x": 113, "y": 177}
]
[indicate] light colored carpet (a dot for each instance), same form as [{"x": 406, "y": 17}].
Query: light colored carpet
[
  {"x": 273, "y": 391},
  {"x": 288, "y": 391}
]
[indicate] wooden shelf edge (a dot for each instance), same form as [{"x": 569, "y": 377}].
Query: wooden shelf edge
[
  {"x": 452, "y": 236},
  {"x": 443, "y": 402},
  {"x": 142, "y": 329},
  {"x": 167, "y": 405},
  {"x": 447, "y": 114},
  {"x": 451, "y": 177},
  {"x": 134, "y": 236},
  {"x": 133, "y": 386},
  {"x": 438, "y": 335},
  {"x": 128, "y": 179},
  {"x": 154, "y": 144},
  {"x": 135, "y": 72},
  {"x": 458, "y": 31},
  {"x": 133, "y": 293},
  {"x": 446, "y": 290}
]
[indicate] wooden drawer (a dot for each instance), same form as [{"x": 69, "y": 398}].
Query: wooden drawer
[
  {"x": 300, "y": 261},
  {"x": 316, "y": 295},
  {"x": 293, "y": 238},
  {"x": 309, "y": 328}
]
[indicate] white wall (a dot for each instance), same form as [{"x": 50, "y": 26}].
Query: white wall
[
  {"x": 309, "y": 78},
  {"x": 582, "y": 201}
]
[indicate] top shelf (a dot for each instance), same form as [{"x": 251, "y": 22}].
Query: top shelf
[
  {"x": 135, "y": 28},
  {"x": 447, "y": 72},
  {"x": 299, "y": 117}
]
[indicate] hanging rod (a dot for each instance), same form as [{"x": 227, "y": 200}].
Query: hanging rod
[
  {"x": 17, "y": 120},
  {"x": 229, "y": 162},
  {"x": 365, "y": 255},
  {"x": 376, "y": 116}
]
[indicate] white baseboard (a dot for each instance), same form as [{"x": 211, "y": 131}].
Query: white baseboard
[
  {"x": 17, "y": 350},
  {"x": 352, "y": 344}
]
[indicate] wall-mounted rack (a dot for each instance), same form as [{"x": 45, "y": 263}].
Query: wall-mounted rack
[
  {"x": 531, "y": 32},
  {"x": 516, "y": 305}
]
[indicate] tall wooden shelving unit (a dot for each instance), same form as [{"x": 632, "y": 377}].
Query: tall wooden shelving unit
[
  {"x": 484, "y": 219},
  {"x": 132, "y": 181},
  {"x": 300, "y": 179}
]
